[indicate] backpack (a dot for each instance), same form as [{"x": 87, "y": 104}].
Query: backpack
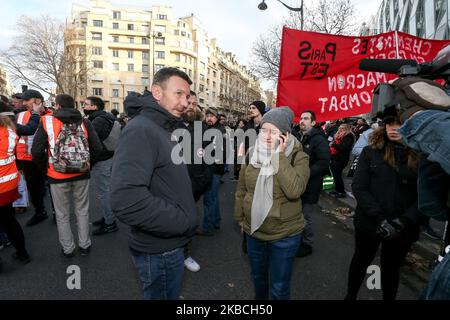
[
  {"x": 72, "y": 150},
  {"x": 111, "y": 142}
]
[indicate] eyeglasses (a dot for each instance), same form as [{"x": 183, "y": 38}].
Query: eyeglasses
[{"x": 273, "y": 133}]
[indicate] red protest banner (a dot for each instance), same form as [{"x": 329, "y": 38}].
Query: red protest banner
[{"x": 320, "y": 72}]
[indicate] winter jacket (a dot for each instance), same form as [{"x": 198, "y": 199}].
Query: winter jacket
[
  {"x": 149, "y": 192},
  {"x": 199, "y": 172},
  {"x": 40, "y": 146},
  {"x": 103, "y": 123},
  {"x": 220, "y": 152},
  {"x": 315, "y": 145},
  {"x": 30, "y": 128},
  {"x": 285, "y": 218},
  {"x": 383, "y": 192},
  {"x": 341, "y": 149}
]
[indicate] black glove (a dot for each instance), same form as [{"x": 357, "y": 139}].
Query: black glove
[{"x": 386, "y": 230}]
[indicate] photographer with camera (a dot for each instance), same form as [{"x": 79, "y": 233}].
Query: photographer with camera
[{"x": 385, "y": 187}]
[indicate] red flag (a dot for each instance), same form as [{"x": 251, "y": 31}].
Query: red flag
[{"x": 320, "y": 72}]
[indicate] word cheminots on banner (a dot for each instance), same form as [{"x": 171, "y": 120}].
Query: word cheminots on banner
[{"x": 320, "y": 72}]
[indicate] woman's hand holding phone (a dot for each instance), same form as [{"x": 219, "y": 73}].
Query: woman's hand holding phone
[{"x": 283, "y": 139}]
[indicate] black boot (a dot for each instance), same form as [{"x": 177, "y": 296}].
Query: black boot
[
  {"x": 105, "y": 229},
  {"x": 37, "y": 218}
]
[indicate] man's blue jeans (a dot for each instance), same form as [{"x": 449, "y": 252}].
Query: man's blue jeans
[
  {"x": 101, "y": 176},
  {"x": 271, "y": 263},
  {"x": 211, "y": 205},
  {"x": 429, "y": 132},
  {"x": 161, "y": 274},
  {"x": 439, "y": 286}
]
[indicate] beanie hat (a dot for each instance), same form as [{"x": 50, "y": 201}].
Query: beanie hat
[
  {"x": 213, "y": 111},
  {"x": 261, "y": 106},
  {"x": 282, "y": 118}
]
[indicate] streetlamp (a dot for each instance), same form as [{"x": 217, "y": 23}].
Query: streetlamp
[
  {"x": 154, "y": 35},
  {"x": 263, "y": 6},
  {"x": 123, "y": 94}
]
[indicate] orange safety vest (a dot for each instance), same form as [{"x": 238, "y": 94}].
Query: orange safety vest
[
  {"x": 25, "y": 142},
  {"x": 53, "y": 127},
  {"x": 9, "y": 175}
]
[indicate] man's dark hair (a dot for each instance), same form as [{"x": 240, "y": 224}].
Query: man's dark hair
[
  {"x": 312, "y": 113},
  {"x": 115, "y": 112},
  {"x": 96, "y": 101},
  {"x": 163, "y": 75},
  {"x": 17, "y": 96},
  {"x": 193, "y": 93},
  {"x": 65, "y": 101},
  {"x": 222, "y": 115}
]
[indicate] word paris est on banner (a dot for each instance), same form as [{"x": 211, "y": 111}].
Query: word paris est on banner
[{"x": 320, "y": 72}]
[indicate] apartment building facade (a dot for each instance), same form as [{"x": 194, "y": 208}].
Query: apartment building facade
[{"x": 122, "y": 47}]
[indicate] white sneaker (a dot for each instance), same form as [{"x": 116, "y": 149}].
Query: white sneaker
[{"x": 191, "y": 265}]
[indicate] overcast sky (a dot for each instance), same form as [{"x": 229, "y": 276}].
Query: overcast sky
[{"x": 235, "y": 23}]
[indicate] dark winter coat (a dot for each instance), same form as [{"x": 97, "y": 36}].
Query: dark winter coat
[
  {"x": 383, "y": 192},
  {"x": 315, "y": 145},
  {"x": 149, "y": 191},
  {"x": 103, "y": 123}
]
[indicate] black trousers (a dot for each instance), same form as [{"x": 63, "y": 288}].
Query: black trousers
[
  {"x": 35, "y": 184},
  {"x": 336, "y": 168},
  {"x": 12, "y": 228},
  {"x": 393, "y": 252}
]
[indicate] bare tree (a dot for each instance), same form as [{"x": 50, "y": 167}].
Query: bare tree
[
  {"x": 327, "y": 16},
  {"x": 39, "y": 56}
]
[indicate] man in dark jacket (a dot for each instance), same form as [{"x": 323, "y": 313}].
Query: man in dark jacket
[
  {"x": 199, "y": 171},
  {"x": 151, "y": 193},
  {"x": 211, "y": 202},
  {"x": 65, "y": 186},
  {"x": 103, "y": 122},
  {"x": 315, "y": 145}
]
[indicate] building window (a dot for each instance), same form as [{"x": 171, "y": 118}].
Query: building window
[
  {"x": 117, "y": 15},
  {"x": 130, "y": 67},
  {"x": 201, "y": 88},
  {"x": 161, "y": 29},
  {"x": 82, "y": 51},
  {"x": 144, "y": 81},
  {"x": 131, "y": 39},
  {"x": 116, "y": 106},
  {"x": 202, "y": 100},
  {"x": 98, "y": 23},
  {"x": 183, "y": 33},
  {"x": 97, "y": 51},
  {"x": 115, "y": 25},
  {"x": 214, "y": 84},
  {"x": 131, "y": 27},
  {"x": 130, "y": 54},
  {"x": 158, "y": 67},
  {"x": 176, "y": 32},
  {"x": 145, "y": 68},
  {"x": 145, "y": 41},
  {"x": 190, "y": 73},
  {"x": 115, "y": 67},
  {"x": 115, "y": 93},
  {"x": 96, "y": 36},
  {"x": 115, "y": 53},
  {"x": 177, "y": 57},
  {"x": 186, "y": 59},
  {"x": 202, "y": 77},
  {"x": 214, "y": 74},
  {"x": 202, "y": 64},
  {"x": 161, "y": 17},
  {"x": 116, "y": 39},
  {"x": 439, "y": 11},
  {"x": 145, "y": 55},
  {"x": 98, "y": 64},
  {"x": 160, "y": 54},
  {"x": 97, "y": 92},
  {"x": 161, "y": 41}
]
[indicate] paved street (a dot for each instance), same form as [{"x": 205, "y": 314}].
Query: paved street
[{"x": 108, "y": 273}]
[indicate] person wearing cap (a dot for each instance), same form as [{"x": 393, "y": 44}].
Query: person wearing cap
[
  {"x": 268, "y": 204},
  {"x": 35, "y": 179},
  {"x": 17, "y": 103},
  {"x": 256, "y": 111},
  {"x": 385, "y": 189},
  {"x": 211, "y": 201}
]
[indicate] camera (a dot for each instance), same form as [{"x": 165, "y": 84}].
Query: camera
[{"x": 384, "y": 93}]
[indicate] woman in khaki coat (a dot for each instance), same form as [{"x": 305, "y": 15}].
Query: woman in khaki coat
[{"x": 268, "y": 206}]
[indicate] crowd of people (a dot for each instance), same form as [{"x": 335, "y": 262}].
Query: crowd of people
[{"x": 279, "y": 179}]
